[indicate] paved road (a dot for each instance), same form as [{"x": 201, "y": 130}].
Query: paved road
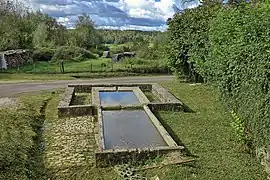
[{"x": 7, "y": 90}]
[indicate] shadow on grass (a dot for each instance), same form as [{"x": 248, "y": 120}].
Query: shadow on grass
[
  {"x": 173, "y": 135},
  {"x": 187, "y": 109}
]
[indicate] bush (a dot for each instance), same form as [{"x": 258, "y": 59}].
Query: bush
[
  {"x": 97, "y": 52},
  {"x": 43, "y": 54},
  {"x": 239, "y": 65},
  {"x": 229, "y": 47},
  {"x": 103, "y": 48},
  {"x": 72, "y": 53},
  {"x": 120, "y": 49}
]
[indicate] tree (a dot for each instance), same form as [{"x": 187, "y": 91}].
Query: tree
[
  {"x": 40, "y": 35},
  {"x": 84, "y": 35}
]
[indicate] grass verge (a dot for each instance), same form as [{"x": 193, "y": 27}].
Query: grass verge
[
  {"x": 20, "y": 139},
  {"x": 22, "y": 77},
  {"x": 208, "y": 136}
]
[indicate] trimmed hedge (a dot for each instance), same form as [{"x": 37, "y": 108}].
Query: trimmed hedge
[
  {"x": 229, "y": 47},
  {"x": 72, "y": 53}
]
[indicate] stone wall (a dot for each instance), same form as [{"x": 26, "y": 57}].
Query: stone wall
[
  {"x": 119, "y": 156},
  {"x": 75, "y": 111},
  {"x": 166, "y": 107},
  {"x": 88, "y": 87},
  {"x": 65, "y": 110},
  {"x": 67, "y": 97},
  {"x": 164, "y": 95},
  {"x": 15, "y": 58}
]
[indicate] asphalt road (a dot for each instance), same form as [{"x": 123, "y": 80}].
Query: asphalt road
[{"x": 13, "y": 89}]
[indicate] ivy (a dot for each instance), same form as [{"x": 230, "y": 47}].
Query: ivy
[{"x": 228, "y": 46}]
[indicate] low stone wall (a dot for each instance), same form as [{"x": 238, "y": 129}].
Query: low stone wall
[
  {"x": 164, "y": 95},
  {"x": 166, "y": 106},
  {"x": 88, "y": 87},
  {"x": 75, "y": 111},
  {"x": 67, "y": 97},
  {"x": 113, "y": 157},
  {"x": 65, "y": 110}
]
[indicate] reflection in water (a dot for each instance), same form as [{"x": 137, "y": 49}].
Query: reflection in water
[
  {"x": 118, "y": 98},
  {"x": 130, "y": 129}
]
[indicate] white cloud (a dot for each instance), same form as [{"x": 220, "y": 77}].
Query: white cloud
[{"x": 116, "y": 14}]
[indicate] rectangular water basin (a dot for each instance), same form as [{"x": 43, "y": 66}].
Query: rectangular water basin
[
  {"x": 118, "y": 98},
  {"x": 125, "y": 129}
]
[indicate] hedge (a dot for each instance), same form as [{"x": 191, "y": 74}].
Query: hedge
[{"x": 228, "y": 46}]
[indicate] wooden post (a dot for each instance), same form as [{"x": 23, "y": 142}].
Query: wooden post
[{"x": 63, "y": 68}]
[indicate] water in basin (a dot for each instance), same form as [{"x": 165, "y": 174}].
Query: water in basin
[
  {"x": 118, "y": 98},
  {"x": 125, "y": 129}
]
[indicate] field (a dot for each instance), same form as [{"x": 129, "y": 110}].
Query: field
[
  {"x": 94, "y": 66},
  {"x": 206, "y": 133}
]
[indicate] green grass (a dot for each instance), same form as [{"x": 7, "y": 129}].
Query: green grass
[
  {"x": 151, "y": 97},
  {"x": 206, "y": 133},
  {"x": 21, "y": 77},
  {"x": 81, "y": 99},
  {"x": 91, "y": 65},
  {"x": 96, "y": 68},
  {"x": 20, "y": 154},
  {"x": 208, "y": 136}
]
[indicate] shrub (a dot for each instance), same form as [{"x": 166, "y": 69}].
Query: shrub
[
  {"x": 72, "y": 53},
  {"x": 229, "y": 47},
  {"x": 239, "y": 64},
  {"x": 120, "y": 49},
  {"x": 43, "y": 54},
  {"x": 188, "y": 41}
]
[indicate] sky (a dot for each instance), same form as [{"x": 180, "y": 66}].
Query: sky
[{"x": 112, "y": 14}]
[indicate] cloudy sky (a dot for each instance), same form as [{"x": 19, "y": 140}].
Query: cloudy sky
[{"x": 113, "y": 14}]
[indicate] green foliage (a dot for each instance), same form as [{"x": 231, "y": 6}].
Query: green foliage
[
  {"x": 22, "y": 29},
  {"x": 40, "y": 36},
  {"x": 72, "y": 53},
  {"x": 43, "y": 54},
  {"x": 85, "y": 35},
  {"x": 229, "y": 47},
  {"x": 239, "y": 127},
  {"x": 188, "y": 35},
  {"x": 126, "y": 36},
  {"x": 239, "y": 64}
]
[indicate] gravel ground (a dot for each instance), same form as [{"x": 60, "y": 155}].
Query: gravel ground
[{"x": 8, "y": 102}]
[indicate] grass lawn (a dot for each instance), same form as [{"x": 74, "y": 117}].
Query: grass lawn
[
  {"x": 91, "y": 65},
  {"x": 93, "y": 68},
  {"x": 208, "y": 136},
  {"x": 206, "y": 133}
]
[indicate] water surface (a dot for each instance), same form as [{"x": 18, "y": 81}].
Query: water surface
[
  {"x": 118, "y": 98},
  {"x": 130, "y": 129}
]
